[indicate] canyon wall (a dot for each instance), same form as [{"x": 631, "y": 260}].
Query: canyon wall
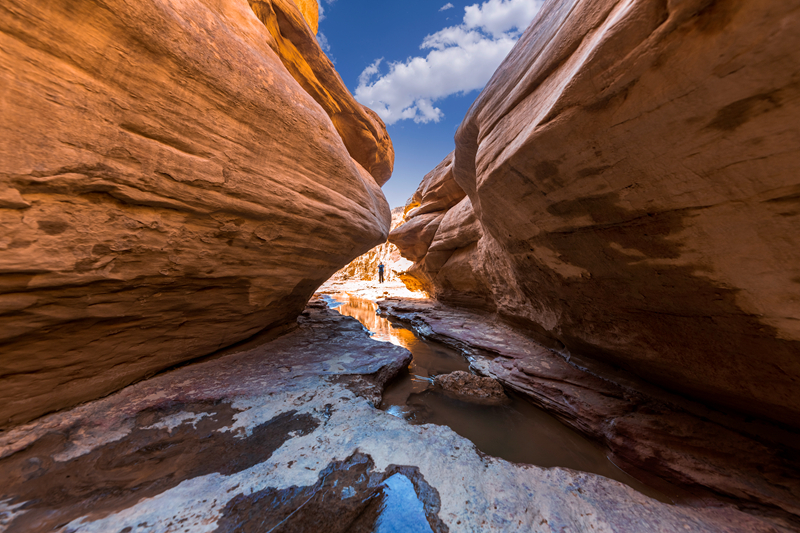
[
  {"x": 365, "y": 266},
  {"x": 175, "y": 176},
  {"x": 626, "y": 188}
]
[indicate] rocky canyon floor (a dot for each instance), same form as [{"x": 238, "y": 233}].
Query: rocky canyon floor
[{"x": 283, "y": 434}]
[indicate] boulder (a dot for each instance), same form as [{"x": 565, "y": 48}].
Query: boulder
[
  {"x": 633, "y": 168},
  {"x": 469, "y": 387},
  {"x": 175, "y": 176},
  {"x": 414, "y": 236}
]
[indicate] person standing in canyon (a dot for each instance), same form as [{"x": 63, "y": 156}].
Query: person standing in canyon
[{"x": 380, "y": 273}]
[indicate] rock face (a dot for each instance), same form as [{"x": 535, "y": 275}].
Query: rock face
[
  {"x": 310, "y": 11},
  {"x": 365, "y": 266},
  {"x": 272, "y": 437},
  {"x": 657, "y": 436},
  {"x": 632, "y": 195},
  {"x": 174, "y": 177},
  {"x": 470, "y": 387}
]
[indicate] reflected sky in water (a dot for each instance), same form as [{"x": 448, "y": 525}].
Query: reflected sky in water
[{"x": 519, "y": 431}]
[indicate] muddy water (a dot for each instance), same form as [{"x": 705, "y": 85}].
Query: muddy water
[{"x": 518, "y": 432}]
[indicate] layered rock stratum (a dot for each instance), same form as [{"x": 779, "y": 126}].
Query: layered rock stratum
[
  {"x": 175, "y": 176},
  {"x": 281, "y": 436},
  {"x": 629, "y": 192},
  {"x": 692, "y": 452}
]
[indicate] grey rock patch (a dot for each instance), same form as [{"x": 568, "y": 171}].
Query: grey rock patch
[
  {"x": 316, "y": 423},
  {"x": 704, "y": 455}
]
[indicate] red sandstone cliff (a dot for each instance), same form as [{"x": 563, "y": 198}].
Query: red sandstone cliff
[
  {"x": 629, "y": 191},
  {"x": 174, "y": 177}
]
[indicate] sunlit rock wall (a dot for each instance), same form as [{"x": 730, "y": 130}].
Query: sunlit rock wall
[
  {"x": 365, "y": 266},
  {"x": 632, "y": 194},
  {"x": 310, "y": 11},
  {"x": 175, "y": 176}
]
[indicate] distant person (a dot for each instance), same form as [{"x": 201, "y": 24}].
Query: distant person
[{"x": 380, "y": 273}]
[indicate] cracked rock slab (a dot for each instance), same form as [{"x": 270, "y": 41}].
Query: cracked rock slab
[
  {"x": 657, "y": 435},
  {"x": 271, "y": 435}
]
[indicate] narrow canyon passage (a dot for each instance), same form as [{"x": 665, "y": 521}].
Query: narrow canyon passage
[
  {"x": 515, "y": 430},
  {"x": 574, "y": 307},
  {"x": 283, "y": 435}
]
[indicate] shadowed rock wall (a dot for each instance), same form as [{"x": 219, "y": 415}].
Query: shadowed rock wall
[
  {"x": 167, "y": 186},
  {"x": 632, "y": 194}
]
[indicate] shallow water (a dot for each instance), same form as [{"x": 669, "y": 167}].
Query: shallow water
[{"x": 519, "y": 431}]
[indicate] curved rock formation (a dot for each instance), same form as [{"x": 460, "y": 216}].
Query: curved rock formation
[
  {"x": 362, "y": 131},
  {"x": 168, "y": 186},
  {"x": 632, "y": 195},
  {"x": 310, "y": 11},
  {"x": 365, "y": 266}
]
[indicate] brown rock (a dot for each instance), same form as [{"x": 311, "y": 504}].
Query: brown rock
[
  {"x": 168, "y": 187},
  {"x": 459, "y": 228},
  {"x": 365, "y": 266},
  {"x": 701, "y": 453},
  {"x": 414, "y": 236},
  {"x": 438, "y": 191},
  {"x": 633, "y": 169},
  {"x": 469, "y": 387},
  {"x": 362, "y": 131}
]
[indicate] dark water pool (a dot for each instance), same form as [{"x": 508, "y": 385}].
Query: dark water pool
[{"x": 518, "y": 432}]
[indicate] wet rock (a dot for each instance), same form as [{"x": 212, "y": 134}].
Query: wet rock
[
  {"x": 350, "y": 496},
  {"x": 653, "y": 433},
  {"x": 174, "y": 178},
  {"x": 234, "y": 443},
  {"x": 631, "y": 167},
  {"x": 469, "y": 387}
]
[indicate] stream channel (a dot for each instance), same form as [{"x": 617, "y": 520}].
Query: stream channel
[{"x": 518, "y": 432}]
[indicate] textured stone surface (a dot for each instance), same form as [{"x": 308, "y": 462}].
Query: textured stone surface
[
  {"x": 648, "y": 431},
  {"x": 365, "y": 266},
  {"x": 273, "y": 436},
  {"x": 167, "y": 186},
  {"x": 361, "y": 130},
  {"x": 310, "y": 11},
  {"x": 470, "y": 387},
  {"x": 633, "y": 168}
]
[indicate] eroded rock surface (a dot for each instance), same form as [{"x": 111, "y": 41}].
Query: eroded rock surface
[
  {"x": 174, "y": 177},
  {"x": 470, "y": 387},
  {"x": 272, "y": 436},
  {"x": 632, "y": 196},
  {"x": 649, "y": 431},
  {"x": 365, "y": 266}
]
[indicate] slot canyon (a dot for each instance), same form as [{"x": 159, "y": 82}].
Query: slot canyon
[{"x": 214, "y": 317}]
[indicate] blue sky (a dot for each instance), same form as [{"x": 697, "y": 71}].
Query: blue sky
[{"x": 419, "y": 64}]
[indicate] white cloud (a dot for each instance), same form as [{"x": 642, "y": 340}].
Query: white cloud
[
  {"x": 461, "y": 59},
  {"x": 447, "y": 6},
  {"x": 323, "y": 42},
  {"x": 370, "y": 71},
  {"x": 322, "y": 9},
  {"x": 498, "y": 17}
]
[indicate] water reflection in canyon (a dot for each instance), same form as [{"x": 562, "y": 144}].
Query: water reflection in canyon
[{"x": 519, "y": 432}]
